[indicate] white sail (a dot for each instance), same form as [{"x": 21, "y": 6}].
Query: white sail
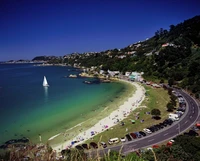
[{"x": 45, "y": 83}]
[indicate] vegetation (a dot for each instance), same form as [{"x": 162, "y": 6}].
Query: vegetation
[
  {"x": 155, "y": 113},
  {"x": 185, "y": 148},
  {"x": 172, "y": 55},
  {"x": 155, "y": 97}
]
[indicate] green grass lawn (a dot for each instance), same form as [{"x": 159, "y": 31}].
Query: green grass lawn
[{"x": 155, "y": 98}]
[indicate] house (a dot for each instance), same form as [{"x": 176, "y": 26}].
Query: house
[
  {"x": 135, "y": 76},
  {"x": 167, "y": 44},
  {"x": 131, "y": 52},
  {"x": 155, "y": 85},
  {"x": 101, "y": 72},
  {"x": 121, "y": 56},
  {"x": 127, "y": 74},
  {"x": 148, "y": 54},
  {"x": 113, "y": 73},
  {"x": 138, "y": 45}
]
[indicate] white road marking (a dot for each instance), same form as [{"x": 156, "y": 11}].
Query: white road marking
[
  {"x": 150, "y": 140},
  {"x": 192, "y": 111},
  {"x": 186, "y": 122},
  {"x": 190, "y": 116},
  {"x": 165, "y": 134}
]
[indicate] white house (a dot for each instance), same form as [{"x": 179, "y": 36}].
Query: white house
[
  {"x": 167, "y": 44},
  {"x": 127, "y": 74},
  {"x": 113, "y": 73},
  {"x": 101, "y": 71}
]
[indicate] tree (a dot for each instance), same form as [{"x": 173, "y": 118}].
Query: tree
[
  {"x": 162, "y": 81},
  {"x": 133, "y": 156},
  {"x": 155, "y": 113},
  {"x": 170, "y": 107},
  {"x": 74, "y": 155},
  {"x": 197, "y": 95},
  {"x": 179, "y": 154},
  {"x": 171, "y": 27},
  {"x": 170, "y": 81}
]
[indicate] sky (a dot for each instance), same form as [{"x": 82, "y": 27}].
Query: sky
[{"x": 30, "y": 28}]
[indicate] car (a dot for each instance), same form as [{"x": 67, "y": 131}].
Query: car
[
  {"x": 168, "y": 121},
  {"x": 152, "y": 129},
  {"x": 155, "y": 146},
  {"x": 85, "y": 146},
  {"x": 103, "y": 144},
  {"x": 94, "y": 145},
  {"x": 133, "y": 135},
  {"x": 142, "y": 133},
  {"x": 79, "y": 147},
  {"x": 149, "y": 148},
  {"x": 158, "y": 126},
  {"x": 147, "y": 131},
  {"x": 195, "y": 128},
  {"x": 128, "y": 137},
  {"x": 123, "y": 139},
  {"x": 162, "y": 125},
  {"x": 113, "y": 141},
  {"x": 181, "y": 109},
  {"x": 138, "y": 134}
]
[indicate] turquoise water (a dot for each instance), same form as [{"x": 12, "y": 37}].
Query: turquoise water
[{"x": 28, "y": 109}]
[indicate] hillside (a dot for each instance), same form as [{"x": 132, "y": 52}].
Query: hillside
[{"x": 172, "y": 55}]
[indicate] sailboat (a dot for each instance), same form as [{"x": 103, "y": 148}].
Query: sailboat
[{"x": 45, "y": 83}]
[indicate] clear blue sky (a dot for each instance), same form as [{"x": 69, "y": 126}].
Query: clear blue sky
[{"x": 30, "y": 28}]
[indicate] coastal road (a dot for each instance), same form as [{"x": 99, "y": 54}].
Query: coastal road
[{"x": 189, "y": 118}]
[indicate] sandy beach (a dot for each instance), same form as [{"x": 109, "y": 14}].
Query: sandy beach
[{"x": 117, "y": 115}]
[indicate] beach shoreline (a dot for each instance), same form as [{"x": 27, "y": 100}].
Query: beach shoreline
[{"x": 107, "y": 122}]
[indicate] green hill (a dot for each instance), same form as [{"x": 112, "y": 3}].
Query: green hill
[{"x": 172, "y": 55}]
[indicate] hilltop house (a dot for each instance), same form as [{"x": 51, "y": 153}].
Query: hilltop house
[{"x": 167, "y": 44}]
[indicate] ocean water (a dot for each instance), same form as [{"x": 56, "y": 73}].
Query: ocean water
[{"x": 29, "y": 109}]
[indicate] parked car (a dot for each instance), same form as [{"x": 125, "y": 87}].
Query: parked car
[
  {"x": 157, "y": 127},
  {"x": 142, "y": 133},
  {"x": 138, "y": 134},
  {"x": 155, "y": 146},
  {"x": 133, "y": 135},
  {"x": 148, "y": 131},
  {"x": 128, "y": 137},
  {"x": 113, "y": 140},
  {"x": 168, "y": 121},
  {"x": 152, "y": 129},
  {"x": 94, "y": 145},
  {"x": 103, "y": 144},
  {"x": 195, "y": 128},
  {"x": 162, "y": 125},
  {"x": 123, "y": 139}
]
